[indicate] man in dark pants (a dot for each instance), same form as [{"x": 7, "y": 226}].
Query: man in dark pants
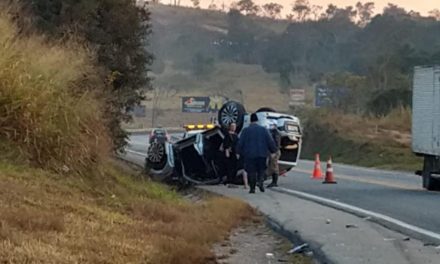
[
  {"x": 274, "y": 170},
  {"x": 255, "y": 145}
]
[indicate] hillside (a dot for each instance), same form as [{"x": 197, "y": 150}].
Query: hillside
[{"x": 179, "y": 34}]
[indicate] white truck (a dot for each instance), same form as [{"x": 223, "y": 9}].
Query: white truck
[{"x": 426, "y": 123}]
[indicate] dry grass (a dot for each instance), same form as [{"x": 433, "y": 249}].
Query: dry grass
[
  {"x": 109, "y": 218},
  {"x": 47, "y": 107},
  {"x": 394, "y": 128},
  {"x": 366, "y": 141}
]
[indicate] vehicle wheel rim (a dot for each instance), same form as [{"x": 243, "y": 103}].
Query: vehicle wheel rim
[
  {"x": 156, "y": 152},
  {"x": 229, "y": 114}
]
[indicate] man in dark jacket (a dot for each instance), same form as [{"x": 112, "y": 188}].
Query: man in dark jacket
[{"x": 255, "y": 145}]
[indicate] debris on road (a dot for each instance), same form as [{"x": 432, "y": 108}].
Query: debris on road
[
  {"x": 298, "y": 249},
  {"x": 328, "y": 221},
  {"x": 430, "y": 245},
  {"x": 257, "y": 244},
  {"x": 406, "y": 239},
  {"x": 351, "y": 226}
]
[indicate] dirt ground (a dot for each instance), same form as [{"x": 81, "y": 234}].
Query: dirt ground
[{"x": 256, "y": 244}]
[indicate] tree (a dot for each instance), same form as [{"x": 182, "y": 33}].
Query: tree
[
  {"x": 196, "y": 3},
  {"x": 435, "y": 14},
  {"x": 394, "y": 10},
  {"x": 316, "y": 12},
  {"x": 365, "y": 12},
  {"x": 117, "y": 30},
  {"x": 212, "y": 6},
  {"x": 239, "y": 44},
  {"x": 272, "y": 10},
  {"x": 302, "y": 9},
  {"x": 202, "y": 65},
  {"x": 248, "y": 7},
  {"x": 342, "y": 14}
]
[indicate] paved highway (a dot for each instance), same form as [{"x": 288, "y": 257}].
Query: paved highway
[{"x": 394, "y": 194}]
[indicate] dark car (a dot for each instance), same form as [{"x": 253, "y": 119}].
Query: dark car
[{"x": 159, "y": 135}]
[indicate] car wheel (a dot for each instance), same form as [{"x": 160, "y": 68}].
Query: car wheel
[
  {"x": 266, "y": 109},
  {"x": 156, "y": 156},
  {"x": 232, "y": 112}
]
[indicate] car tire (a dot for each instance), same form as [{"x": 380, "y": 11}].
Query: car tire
[
  {"x": 156, "y": 156},
  {"x": 232, "y": 112},
  {"x": 266, "y": 109},
  {"x": 429, "y": 182}
]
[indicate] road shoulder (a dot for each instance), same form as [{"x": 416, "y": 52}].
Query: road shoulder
[{"x": 341, "y": 237}]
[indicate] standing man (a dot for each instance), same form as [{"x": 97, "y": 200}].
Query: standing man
[
  {"x": 255, "y": 145},
  {"x": 274, "y": 169},
  {"x": 230, "y": 146}
]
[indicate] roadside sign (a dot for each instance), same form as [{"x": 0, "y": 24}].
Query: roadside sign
[
  {"x": 297, "y": 97},
  {"x": 326, "y": 96},
  {"x": 139, "y": 111},
  {"x": 323, "y": 96}
]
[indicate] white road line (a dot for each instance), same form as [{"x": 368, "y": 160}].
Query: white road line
[
  {"x": 136, "y": 153},
  {"x": 371, "y": 181},
  {"x": 359, "y": 211}
]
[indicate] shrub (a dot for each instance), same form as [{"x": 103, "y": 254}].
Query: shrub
[{"x": 46, "y": 108}]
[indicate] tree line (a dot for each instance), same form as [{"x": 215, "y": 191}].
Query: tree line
[
  {"x": 366, "y": 58},
  {"x": 303, "y": 10}
]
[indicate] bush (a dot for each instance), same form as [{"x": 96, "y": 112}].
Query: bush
[{"x": 47, "y": 108}]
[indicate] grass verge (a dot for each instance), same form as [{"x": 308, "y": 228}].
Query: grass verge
[
  {"x": 108, "y": 218},
  {"x": 365, "y": 141}
]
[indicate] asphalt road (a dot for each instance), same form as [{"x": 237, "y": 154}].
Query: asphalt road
[{"x": 395, "y": 194}]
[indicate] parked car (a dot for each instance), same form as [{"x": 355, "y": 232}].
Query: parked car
[
  {"x": 197, "y": 158},
  {"x": 160, "y": 135}
]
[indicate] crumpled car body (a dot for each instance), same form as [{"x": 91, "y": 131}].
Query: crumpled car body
[{"x": 197, "y": 159}]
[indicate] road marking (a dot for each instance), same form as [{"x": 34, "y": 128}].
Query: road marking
[
  {"x": 370, "y": 181},
  {"x": 136, "y": 153},
  {"x": 359, "y": 211}
]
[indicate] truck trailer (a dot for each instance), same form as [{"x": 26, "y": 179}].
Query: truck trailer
[{"x": 426, "y": 123}]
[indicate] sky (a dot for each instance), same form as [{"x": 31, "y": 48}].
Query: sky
[{"x": 422, "y": 6}]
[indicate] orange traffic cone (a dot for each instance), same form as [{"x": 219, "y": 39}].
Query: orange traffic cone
[
  {"x": 317, "y": 173},
  {"x": 329, "y": 177}
]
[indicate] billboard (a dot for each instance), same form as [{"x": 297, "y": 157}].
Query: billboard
[{"x": 202, "y": 104}]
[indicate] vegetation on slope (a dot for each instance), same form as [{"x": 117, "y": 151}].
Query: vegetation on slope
[
  {"x": 49, "y": 103},
  {"x": 118, "y": 32},
  {"x": 367, "y": 141},
  {"x": 106, "y": 217},
  {"x": 62, "y": 200}
]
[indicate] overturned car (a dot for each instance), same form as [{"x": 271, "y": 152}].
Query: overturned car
[{"x": 196, "y": 158}]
